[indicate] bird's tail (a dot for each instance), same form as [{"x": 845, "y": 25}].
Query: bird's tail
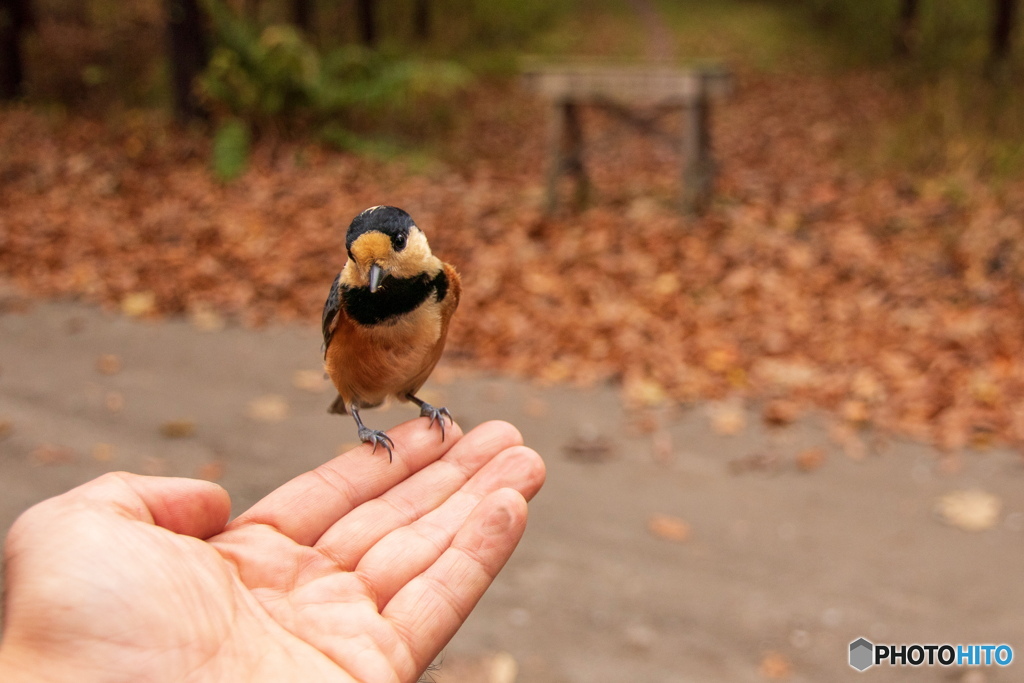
[{"x": 338, "y": 407}]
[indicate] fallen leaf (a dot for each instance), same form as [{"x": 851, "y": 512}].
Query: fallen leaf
[
  {"x": 139, "y": 304},
  {"x": 661, "y": 446},
  {"x": 210, "y": 471},
  {"x": 52, "y": 454},
  {"x": 866, "y": 387},
  {"x": 846, "y": 436},
  {"x": 982, "y": 439},
  {"x": 206, "y": 319},
  {"x": 102, "y": 452},
  {"x": 970, "y": 510},
  {"x": 503, "y": 668},
  {"x": 810, "y": 459},
  {"x": 588, "y": 446},
  {"x": 644, "y": 392},
  {"x": 644, "y": 422},
  {"x": 775, "y": 666},
  {"x": 786, "y": 373},
  {"x": 728, "y": 419},
  {"x": 310, "y": 380},
  {"x": 856, "y": 411},
  {"x": 535, "y": 407},
  {"x": 114, "y": 401},
  {"x": 269, "y": 408},
  {"x": 178, "y": 429},
  {"x": 755, "y": 462},
  {"x": 780, "y": 412},
  {"x": 669, "y": 528},
  {"x": 108, "y": 364},
  {"x": 721, "y": 360}
]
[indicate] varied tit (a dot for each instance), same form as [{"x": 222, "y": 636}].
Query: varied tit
[{"x": 386, "y": 318}]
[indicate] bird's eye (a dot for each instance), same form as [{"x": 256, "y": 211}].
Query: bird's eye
[{"x": 400, "y": 242}]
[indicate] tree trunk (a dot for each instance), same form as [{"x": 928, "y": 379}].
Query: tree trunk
[
  {"x": 188, "y": 54},
  {"x": 906, "y": 32},
  {"x": 1003, "y": 20},
  {"x": 15, "y": 20},
  {"x": 302, "y": 13},
  {"x": 421, "y": 19},
  {"x": 251, "y": 10},
  {"x": 367, "y": 25}
]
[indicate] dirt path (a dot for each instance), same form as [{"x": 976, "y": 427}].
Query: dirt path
[{"x": 777, "y": 561}]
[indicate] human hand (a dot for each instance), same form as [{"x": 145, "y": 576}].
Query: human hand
[{"x": 356, "y": 571}]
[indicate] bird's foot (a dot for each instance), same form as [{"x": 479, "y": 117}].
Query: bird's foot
[
  {"x": 376, "y": 436},
  {"x": 438, "y": 414}
]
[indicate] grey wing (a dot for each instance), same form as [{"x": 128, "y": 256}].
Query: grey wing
[{"x": 331, "y": 308}]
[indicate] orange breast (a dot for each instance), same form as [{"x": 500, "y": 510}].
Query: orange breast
[{"x": 368, "y": 364}]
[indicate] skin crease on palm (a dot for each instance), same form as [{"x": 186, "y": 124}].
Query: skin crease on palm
[{"x": 356, "y": 571}]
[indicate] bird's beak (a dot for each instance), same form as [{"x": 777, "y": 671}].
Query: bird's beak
[{"x": 376, "y": 275}]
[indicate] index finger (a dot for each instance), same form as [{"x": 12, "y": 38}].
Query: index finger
[{"x": 305, "y": 507}]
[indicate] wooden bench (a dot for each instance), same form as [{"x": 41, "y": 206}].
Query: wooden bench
[{"x": 626, "y": 92}]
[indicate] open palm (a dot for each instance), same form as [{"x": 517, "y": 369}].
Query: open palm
[{"x": 358, "y": 570}]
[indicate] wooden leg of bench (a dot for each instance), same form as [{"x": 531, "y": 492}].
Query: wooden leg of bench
[
  {"x": 556, "y": 160},
  {"x": 698, "y": 166},
  {"x": 574, "y": 154},
  {"x": 565, "y": 153}
]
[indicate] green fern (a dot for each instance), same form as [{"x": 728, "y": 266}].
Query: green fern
[{"x": 230, "y": 150}]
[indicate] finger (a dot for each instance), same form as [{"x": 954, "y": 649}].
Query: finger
[
  {"x": 348, "y": 540},
  {"x": 185, "y": 506},
  {"x": 406, "y": 552},
  {"x": 305, "y": 507},
  {"x": 432, "y": 607}
]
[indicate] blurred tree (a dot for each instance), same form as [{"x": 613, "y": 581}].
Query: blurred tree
[
  {"x": 15, "y": 21},
  {"x": 1003, "y": 20},
  {"x": 421, "y": 19},
  {"x": 189, "y": 53},
  {"x": 906, "y": 32},
  {"x": 365, "y": 11},
  {"x": 302, "y": 15}
]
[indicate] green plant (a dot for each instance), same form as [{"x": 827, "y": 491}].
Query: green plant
[
  {"x": 230, "y": 150},
  {"x": 276, "y": 72},
  {"x": 275, "y": 77}
]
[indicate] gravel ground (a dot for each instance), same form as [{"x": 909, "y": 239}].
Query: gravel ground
[{"x": 658, "y": 550}]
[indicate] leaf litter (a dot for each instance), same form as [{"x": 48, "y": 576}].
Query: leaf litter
[{"x": 894, "y": 301}]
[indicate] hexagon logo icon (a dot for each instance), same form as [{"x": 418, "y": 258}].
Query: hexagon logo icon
[{"x": 861, "y": 654}]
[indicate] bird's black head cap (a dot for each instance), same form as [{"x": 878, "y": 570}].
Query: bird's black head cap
[{"x": 389, "y": 220}]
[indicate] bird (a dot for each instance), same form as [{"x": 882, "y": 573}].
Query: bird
[{"x": 386, "y": 319}]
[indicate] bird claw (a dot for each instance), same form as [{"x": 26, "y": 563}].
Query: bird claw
[
  {"x": 376, "y": 436},
  {"x": 438, "y": 414}
]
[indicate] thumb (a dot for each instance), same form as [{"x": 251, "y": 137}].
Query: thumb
[{"x": 191, "y": 507}]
